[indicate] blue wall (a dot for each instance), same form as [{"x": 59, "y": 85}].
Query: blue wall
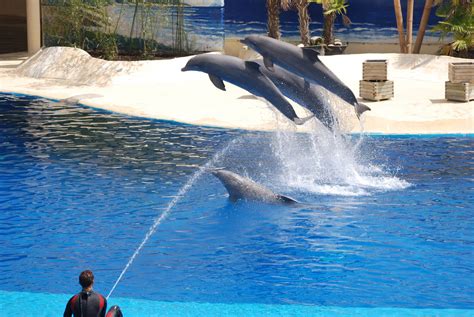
[{"x": 372, "y": 19}]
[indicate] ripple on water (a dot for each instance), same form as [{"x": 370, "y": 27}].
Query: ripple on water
[{"x": 386, "y": 221}]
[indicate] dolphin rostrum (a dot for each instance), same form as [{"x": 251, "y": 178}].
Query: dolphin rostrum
[
  {"x": 244, "y": 74},
  {"x": 240, "y": 187},
  {"x": 302, "y": 62},
  {"x": 311, "y": 96}
]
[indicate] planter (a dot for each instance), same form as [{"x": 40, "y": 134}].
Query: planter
[
  {"x": 376, "y": 90},
  {"x": 459, "y": 91},
  {"x": 461, "y": 72},
  {"x": 374, "y": 70}
]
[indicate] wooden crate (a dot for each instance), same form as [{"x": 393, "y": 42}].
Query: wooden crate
[
  {"x": 376, "y": 90},
  {"x": 375, "y": 69},
  {"x": 461, "y": 72},
  {"x": 459, "y": 91}
]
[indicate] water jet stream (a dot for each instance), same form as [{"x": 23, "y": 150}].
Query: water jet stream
[{"x": 171, "y": 204}]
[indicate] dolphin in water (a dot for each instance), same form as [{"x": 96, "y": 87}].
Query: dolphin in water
[
  {"x": 311, "y": 96},
  {"x": 77, "y": 98},
  {"x": 240, "y": 187},
  {"x": 245, "y": 74},
  {"x": 304, "y": 63}
]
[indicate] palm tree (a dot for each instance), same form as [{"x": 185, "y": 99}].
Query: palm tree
[
  {"x": 273, "y": 21},
  {"x": 457, "y": 16},
  {"x": 423, "y": 24},
  {"x": 303, "y": 16},
  {"x": 400, "y": 27},
  {"x": 332, "y": 8},
  {"x": 406, "y": 40},
  {"x": 410, "y": 6},
  {"x": 458, "y": 21}
]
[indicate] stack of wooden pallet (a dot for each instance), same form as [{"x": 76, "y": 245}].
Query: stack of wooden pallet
[
  {"x": 460, "y": 86},
  {"x": 375, "y": 86}
]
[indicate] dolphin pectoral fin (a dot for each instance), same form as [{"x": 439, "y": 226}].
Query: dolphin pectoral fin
[
  {"x": 286, "y": 199},
  {"x": 268, "y": 63},
  {"x": 311, "y": 55},
  {"x": 217, "y": 82},
  {"x": 300, "y": 121},
  {"x": 360, "y": 108}
]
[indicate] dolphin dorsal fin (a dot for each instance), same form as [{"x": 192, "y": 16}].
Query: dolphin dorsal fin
[
  {"x": 287, "y": 200},
  {"x": 217, "y": 82},
  {"x": 252, "y": 65},
  {"x": 268, "y": 63},
  {"x": 311, "y": 55}
]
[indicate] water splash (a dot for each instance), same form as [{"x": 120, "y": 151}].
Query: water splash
[
  {"x": 170, "y": 206},
  {"x": 330, "y": 162}
]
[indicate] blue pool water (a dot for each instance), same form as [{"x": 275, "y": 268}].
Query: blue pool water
[{"x": 386, "y": 226}]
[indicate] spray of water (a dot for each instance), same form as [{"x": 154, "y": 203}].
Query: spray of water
[
  {"x": 329, "y": 162},
  {"x": 170, "y": 206}
]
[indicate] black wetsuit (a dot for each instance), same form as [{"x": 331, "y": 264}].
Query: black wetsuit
[{"x": 86, "y": 304}]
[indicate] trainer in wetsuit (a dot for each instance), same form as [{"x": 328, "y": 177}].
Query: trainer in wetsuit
[{"x": 86, "y": 303}]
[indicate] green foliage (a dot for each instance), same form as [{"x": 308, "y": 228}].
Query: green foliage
[
  {"x": 332, "y": 6},
  {"x": 78, "y": 23},
  {"x": 458, "y": 21},
  {"x": 86, "y": 24}
]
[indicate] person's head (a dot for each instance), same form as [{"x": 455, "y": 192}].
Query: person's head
[{"x": 86, "y": 279}]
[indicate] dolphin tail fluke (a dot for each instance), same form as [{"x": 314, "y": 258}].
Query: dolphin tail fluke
[
  {"x": 360, "y": 108},
  {"x": 300, "y": 121},
  {"x": 287, "y": 200}
]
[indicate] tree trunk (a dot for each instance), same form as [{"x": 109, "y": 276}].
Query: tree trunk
[
  {"x": 273, "y": 18},
  {"x": 401, "y": 32},
  {"x": 423, "y": 24},
  {"x": 303, "y": 18},
  {"x": 328, "y": 26},
  {"x": 132, "y": 27},
  {"x": 410, "y": 5}
]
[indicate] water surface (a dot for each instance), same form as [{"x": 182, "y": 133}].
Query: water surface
[{"x": 387, "y": 221}]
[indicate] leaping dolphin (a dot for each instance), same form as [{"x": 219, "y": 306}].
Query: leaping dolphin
[
  {"x": 244, "y": 74},
  {"x": 310, "y": 96},
  {"x": 302, "y": 62},
  {"x": 240, "y": 187}
]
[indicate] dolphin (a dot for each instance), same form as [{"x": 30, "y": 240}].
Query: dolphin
[
  {"x": 240, "y": 187},
  {"x": 245, "y": 74},
  {"x": 304, "y": 63},
  {"x": 77, "y": 98},
  {"x": 311, "y": 96}
]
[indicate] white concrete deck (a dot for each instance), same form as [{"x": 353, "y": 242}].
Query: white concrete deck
[{"x": 158, "y": 89}]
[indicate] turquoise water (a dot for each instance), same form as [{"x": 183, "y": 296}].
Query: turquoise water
[
  {"x": 11, "y": 303},
  {"x": 386, "y": 227}
]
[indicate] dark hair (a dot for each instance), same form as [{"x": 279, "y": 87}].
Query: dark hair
[{"x": 86, "y": 278}]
